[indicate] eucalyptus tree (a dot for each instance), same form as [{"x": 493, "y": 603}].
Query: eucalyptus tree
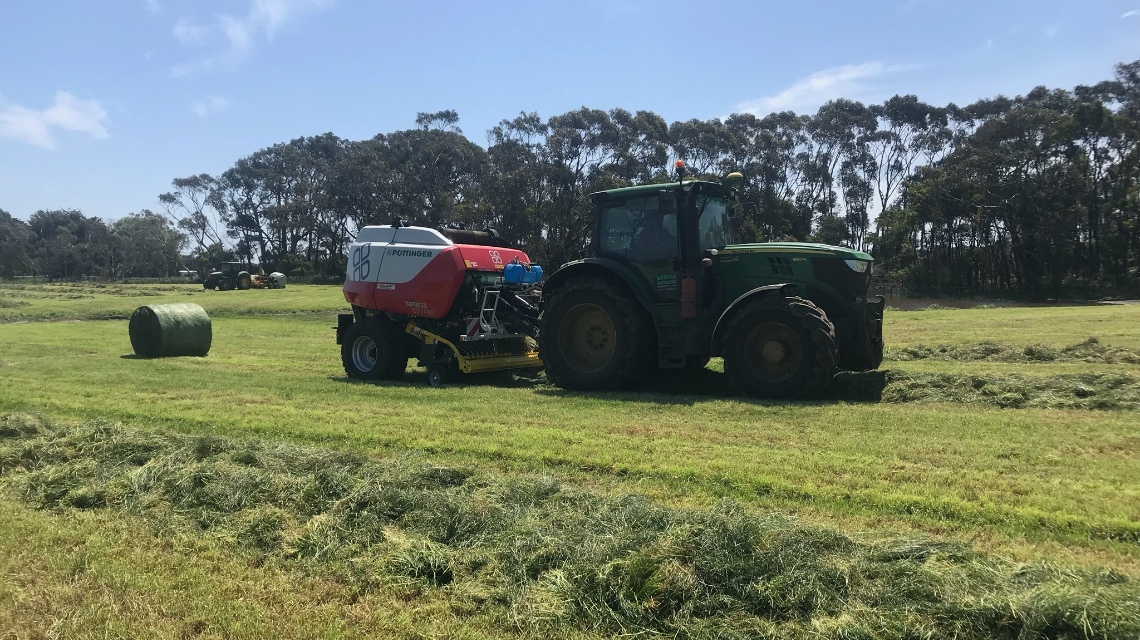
[
  {"x": 14, "y": 234},
  {"x": 839, "y": 161},
  {"x": 190, "y": 207},
  {"x": 517, "y": 190},
  {"x": 148, "y": 245},
  {"x": 65, "y": 244},
  {"x": 578, "y": 143},
  {"x": 702, "y": 144},
  {"x": 640, "y": 146}
]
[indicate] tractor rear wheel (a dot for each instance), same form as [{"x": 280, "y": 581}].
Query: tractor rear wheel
[
  {"x": 244, "y": 280},
  {"x": 374, "y": 349},
  {"x": 778, "y": 347},
  {"x": 594, "y": 335}
]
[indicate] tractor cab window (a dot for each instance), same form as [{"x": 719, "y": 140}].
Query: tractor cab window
[
  {"x": 715, "y": 229},
  {"x": 636, "y": 230}
]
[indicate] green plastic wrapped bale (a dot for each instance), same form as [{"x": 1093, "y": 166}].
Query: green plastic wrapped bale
[{"x": 163, "y": 330}]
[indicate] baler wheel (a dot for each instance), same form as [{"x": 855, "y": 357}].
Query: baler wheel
[
  {"x": 372, "y": 349},
  {"x": 594, "y": 335},
  {"x": 437, "y": 375},
  {"x": 778, "y": 347}
]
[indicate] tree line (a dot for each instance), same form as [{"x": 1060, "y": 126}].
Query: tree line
[{"x": 1034, "y": 195}]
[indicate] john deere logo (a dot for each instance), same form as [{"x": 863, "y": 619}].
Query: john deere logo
[{"x": 410, "y": 253}]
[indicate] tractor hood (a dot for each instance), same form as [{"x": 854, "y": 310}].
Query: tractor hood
[{"x": 792, "y": 248}]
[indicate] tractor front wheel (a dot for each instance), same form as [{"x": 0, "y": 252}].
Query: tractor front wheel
[
  {"x": 373, "y": 349},
  {"x": 780, "y": 347},
  {"x": 594, "y": 335}
]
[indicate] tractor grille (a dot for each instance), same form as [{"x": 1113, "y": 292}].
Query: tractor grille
[{"x": 848, "y": 283}]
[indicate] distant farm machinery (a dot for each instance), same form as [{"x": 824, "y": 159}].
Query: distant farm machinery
[{"x": 234, "y": 275}]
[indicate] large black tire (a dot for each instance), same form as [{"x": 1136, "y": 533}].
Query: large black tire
[
  {"x": 778, "y": 347},
  {"x": 374, "y": 349},
  {"x": 244, "y": 280},
  {"x": 225, "y": 285},
  {"x": 593, "y": 335}
]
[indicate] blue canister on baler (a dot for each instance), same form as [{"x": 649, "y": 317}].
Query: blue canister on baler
[{"x": 519, "y": 273}]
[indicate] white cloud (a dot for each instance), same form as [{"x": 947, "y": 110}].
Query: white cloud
[
  {"x": 236, "y": 37},
  {"x": 153, "y": 6},
  {"x": 187, "y": 32},
  {"x": 68, "y": 113},
  {"x": 1131, "y": 14},
  {"x": 806, "y": 95},
  {"x": 211, "y": 106}
]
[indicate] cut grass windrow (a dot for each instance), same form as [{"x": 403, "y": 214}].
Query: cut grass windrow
[
  {"x": 1095, "y": 391},
  {"x": 1090, "y": 350},
  {"x": 539, "y": 556}
]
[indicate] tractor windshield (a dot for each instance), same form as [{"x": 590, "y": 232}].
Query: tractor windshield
[{"x": 716, "y": 232}]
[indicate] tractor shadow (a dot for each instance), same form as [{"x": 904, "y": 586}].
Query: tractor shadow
[
  {"x": 417, "y": 378},
  {"x": 680, "y": 388},
  {"x": 692, "y": 387}
]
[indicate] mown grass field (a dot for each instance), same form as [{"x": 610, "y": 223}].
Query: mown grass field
[{"x": 1041, "y": 482}]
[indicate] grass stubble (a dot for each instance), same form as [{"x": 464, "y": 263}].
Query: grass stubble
[{"x": 534, "y": 556}]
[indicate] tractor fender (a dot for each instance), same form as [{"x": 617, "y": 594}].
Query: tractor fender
[
  {"x": 600, "y": 267},
  {"x": 783, "y": 290}
]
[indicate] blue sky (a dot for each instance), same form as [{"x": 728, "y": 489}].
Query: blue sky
[{"x": 102, "y": 104}]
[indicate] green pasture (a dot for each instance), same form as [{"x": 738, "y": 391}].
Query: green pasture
[
  {"x": 1054, "y": 485},
  {"x": 71, "y": 301}
]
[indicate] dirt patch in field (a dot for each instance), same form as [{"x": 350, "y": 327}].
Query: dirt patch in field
[{"x": 547, "y": 558}]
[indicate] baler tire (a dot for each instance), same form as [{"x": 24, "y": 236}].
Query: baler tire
[
  {"x": 613, "y": 322},
  {"x": 806, "y": 347},
  {"x": 372, "y": 350},
  {"x": 244, "y": 280},
  {"x": 438, "y": 375}
]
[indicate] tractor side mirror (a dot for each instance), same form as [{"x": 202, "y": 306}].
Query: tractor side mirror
[{"x": 666, "y": 202}]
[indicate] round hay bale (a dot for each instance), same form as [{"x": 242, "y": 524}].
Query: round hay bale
[{"x": 164, "y": 330}]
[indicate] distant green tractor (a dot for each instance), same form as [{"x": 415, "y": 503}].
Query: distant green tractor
[
  {"x": 228, "y": 275},
  {"x": 666, "y": 288},
  {"x": 234, "y": 275}
]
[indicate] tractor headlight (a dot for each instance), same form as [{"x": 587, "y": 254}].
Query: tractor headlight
[{"x": 858, "y": 266}]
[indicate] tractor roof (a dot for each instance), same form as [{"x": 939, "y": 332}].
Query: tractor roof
[
  {"x": 645, "y": 189},
  {"x": 806, "y": 248}
]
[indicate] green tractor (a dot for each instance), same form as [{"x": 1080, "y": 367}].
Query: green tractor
[
  {"x": 228, "y": 275},
  {"x": 667, "y": 288}
]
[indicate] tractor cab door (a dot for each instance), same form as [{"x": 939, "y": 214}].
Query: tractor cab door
[
  {"x": 643, "y": 232},
  {"x": 640, "y": 234}
]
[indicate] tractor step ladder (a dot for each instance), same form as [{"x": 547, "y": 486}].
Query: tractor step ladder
[{"x": 670, "y": 346}]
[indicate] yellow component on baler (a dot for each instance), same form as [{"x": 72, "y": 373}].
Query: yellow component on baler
[{"x": 476, "y": 364}]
